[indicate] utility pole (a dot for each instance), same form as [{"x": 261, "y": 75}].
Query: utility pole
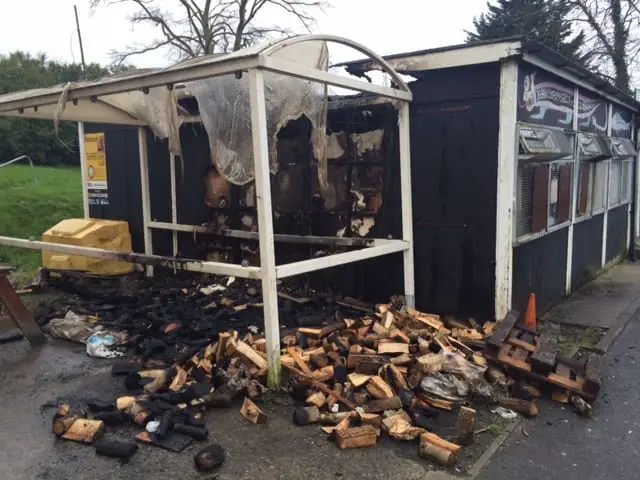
[{"x": 84, "y": 66}]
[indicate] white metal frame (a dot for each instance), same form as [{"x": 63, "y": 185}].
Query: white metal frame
[{"x": 255, "y": 61}]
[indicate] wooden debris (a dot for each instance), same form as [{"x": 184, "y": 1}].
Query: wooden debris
[
  {"x": 440, "y": 442},
  {"x": 358, "y": 379},
  {"x": 357, "y": 437},
  {"x": 524, "y": 407},
  {"x": 249, "y": 353},
  {"x": 436, "y": 453},
  {"x": 378, "y": 406},
  {"x": 430, "y": 363},
  {"x": 251, "y": 412},
  {"x": 179, "y": 380},
  {"x": 582, "y": 407},
  {"x": 560, "y": 396},
  {"x": 317, "y": 398},
  {"x": 466, "y": 425},
  {"x": 84, "y": 430},
  {"x": 392, "y": 348},
  {"x": 379, "y": 389}
]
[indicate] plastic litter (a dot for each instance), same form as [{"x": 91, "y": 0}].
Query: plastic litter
[
  {"x": 74, "y": 327},
  {"x": 152, "y": 427},
  {"x": 472, "y": 374},
  {"x": 101, "y": 344},
  {"x": 446, "y": 386},
  {"x": 505, "y": 413}
]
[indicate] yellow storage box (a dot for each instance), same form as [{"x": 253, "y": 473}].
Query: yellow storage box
[{"x": 96, "y": 233}]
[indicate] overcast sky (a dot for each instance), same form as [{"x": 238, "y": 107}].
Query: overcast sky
[{"x": 385, "y": 26}]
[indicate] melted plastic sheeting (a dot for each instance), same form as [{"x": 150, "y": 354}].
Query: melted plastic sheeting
[{"x": 226, "y": 113}]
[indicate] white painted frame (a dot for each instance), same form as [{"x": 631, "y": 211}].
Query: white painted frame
[
  {"x": 268, "y": 272},
  {"x": 506, "y": 187}
]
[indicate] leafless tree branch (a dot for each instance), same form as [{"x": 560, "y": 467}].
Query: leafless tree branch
[{"x": 201, "y": 27}]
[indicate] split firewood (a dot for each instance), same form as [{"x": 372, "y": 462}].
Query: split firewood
[
  {"x": 63, "y": 423},
  {"x": 431, "y": 320},
  {"x": 466, "y": 425},
  {"x": 248, "y": 353},
  {"x": 357, "y": 437},
  {"x": 497, "y": 378},
  {"x": 560, "y": 396},
  {"x": 320, "y": 360},
  {"x": 137, "y": 413},
  {"x": 440, "y": 442},
  {"x": 488, "y": 328},
  {"x": 317, "y": 398},
  {"x": 382, "y": 405},
  {"x": 223, "y": 338},
  {"x": 380, "y": 330},
  {"x": 358, "y": 380},
  {"x": 251, "y": 412},
  {"x": 387, "y": 319},
  {"x": 115, "y": 449},
  {"x": 524, "y": 407},
  {"x": 332, "y": 401},
  {"x": 371, "y": 419},
  {"x": 437, "y": 402},
  {"x": 392, "y": 348},
  {"x": 84, "y": 430},
  {"x": 379, "y": 389},
  {"x": 123, "y": 403},
  {"x": 172, "y": 327},
  {"x": 467, "y": 334},
  {"x": 402, "y": 360},
  {"x": 324, "y": 374},
  {"x": 399, "y": 427},
  {"x": 323, "y": 388},
  {"x": 399, "y": 335},
  {"x": 430, "y": 363},
  {"x": 308, "y": 415},
  {"x": 159, "y": 379},
  {"x": 583, "y": 408},
  {"x": 394, "y": 377},
  {"x": 435, "y": 453},
  {"x": 179, "y": 380}
]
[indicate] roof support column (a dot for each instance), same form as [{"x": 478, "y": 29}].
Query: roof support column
[{"x": 265, "y": 223}]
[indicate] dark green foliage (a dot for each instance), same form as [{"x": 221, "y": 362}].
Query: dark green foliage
[
  {"x": 37, "y": 138},
  {"x": 545, "y": 21}
]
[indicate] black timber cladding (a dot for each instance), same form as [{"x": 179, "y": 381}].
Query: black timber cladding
[
  {"x": 454, "y": 148},
  {"x": 540, "y": 267},
  {"x": 587, "y": 250},
  {"x": 123, "y": 174},
  {"x": 617, "y": 232}
]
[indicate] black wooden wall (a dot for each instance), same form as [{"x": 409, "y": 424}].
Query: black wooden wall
[
  {"x": 617, "y": 232},
  {"x": 587, "y": 250},
  {"x": 454, "y": 148}
]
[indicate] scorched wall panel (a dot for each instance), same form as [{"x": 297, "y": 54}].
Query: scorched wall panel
[
  {"x": 617, "y": 232},
  {"x": 587, "y": 250}
]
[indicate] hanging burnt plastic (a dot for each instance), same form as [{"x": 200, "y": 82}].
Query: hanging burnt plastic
[
  {"x": 543, "y": 144},
  {"x": 622, "y": 148},
  {"x": 593, "y": 148}
]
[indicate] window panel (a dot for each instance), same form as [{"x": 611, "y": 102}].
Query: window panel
[
  {"x": 599, "y": 186},
  {"x": 585, "y": 187},
  {"x": 615, "y": 174}
]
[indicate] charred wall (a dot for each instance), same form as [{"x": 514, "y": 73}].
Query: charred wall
[{"x": 454, "y": 132}]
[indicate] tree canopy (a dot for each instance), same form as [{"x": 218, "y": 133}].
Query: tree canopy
[
  {"x": 37, "y": 138},
  {"x": 546, "y": 21}
]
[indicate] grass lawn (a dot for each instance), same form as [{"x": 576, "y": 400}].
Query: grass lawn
[{"x": 27, "y": 210}]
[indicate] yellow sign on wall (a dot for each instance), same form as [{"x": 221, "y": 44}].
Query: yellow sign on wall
[{"x": 96, "y": 158}]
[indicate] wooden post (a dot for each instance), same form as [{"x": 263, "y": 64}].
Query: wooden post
[{"x": 17, "y": 311}]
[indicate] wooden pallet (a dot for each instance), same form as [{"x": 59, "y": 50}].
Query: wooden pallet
[{"x": 536, "y": 356}]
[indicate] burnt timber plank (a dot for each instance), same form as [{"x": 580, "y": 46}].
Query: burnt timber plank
[
  {"x": 544, "y": 358},
  {"x": 592, "y": 374},
  {"x": 501, "y": 334},
  {"x": 17, "y": 311}
]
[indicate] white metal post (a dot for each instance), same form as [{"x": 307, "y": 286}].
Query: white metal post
[
  {"x": 174, "y": 203},
  {"x": 573, "y": 202},
  {"x": 407, "y": 210},
  {"x": 83, "y": 169},
  {"x": 605, "y": 218},
  {"x": 144, "y": 190},
  {"x": 265, "y": 223}
]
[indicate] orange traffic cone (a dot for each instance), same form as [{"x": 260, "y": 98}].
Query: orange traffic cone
[{"x": 530, "y": 317}]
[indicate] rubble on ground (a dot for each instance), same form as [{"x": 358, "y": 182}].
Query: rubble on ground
[{"x": 356, "y": 370}]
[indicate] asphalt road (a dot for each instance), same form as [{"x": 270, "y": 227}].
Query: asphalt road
[{"x": 560, "y": 445}]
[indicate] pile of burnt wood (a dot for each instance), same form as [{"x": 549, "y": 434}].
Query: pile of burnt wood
[{"x": 356, "y": 369}]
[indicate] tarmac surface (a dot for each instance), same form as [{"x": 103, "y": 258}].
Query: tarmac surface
[
  {"x": 561, "y": 445},
  {"x": 35, "y": 380}
]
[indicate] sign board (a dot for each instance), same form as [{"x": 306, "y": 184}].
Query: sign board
[{"x": 96, "y": 158}]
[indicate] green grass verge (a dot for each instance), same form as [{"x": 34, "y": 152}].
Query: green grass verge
[{"x": 27, "y": 210}]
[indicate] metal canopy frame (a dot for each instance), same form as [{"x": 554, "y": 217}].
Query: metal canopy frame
[{"x": 255, "y": 61}]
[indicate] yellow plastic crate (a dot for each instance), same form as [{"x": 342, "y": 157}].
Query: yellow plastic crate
[{"x": 97, "y": 233}]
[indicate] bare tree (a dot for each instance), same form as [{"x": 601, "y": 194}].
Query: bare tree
[
  {"x": 202, "y": 27},
  {"x": 613, "y": 40}
]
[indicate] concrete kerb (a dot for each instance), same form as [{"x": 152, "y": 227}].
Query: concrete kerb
[{"x": 493, "y": 448}]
